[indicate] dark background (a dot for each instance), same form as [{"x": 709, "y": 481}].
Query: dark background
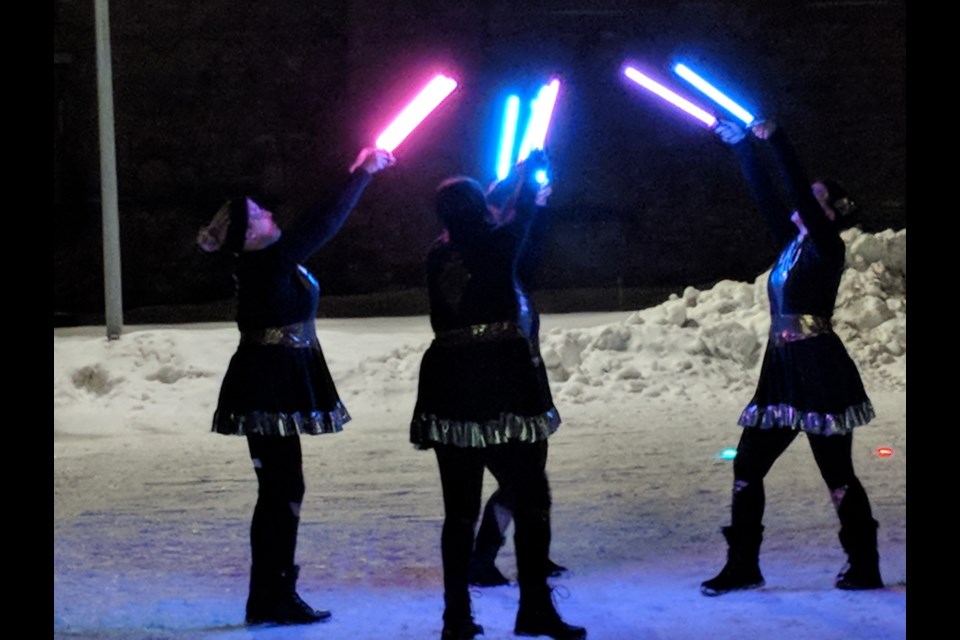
[{"x": 217, "y": 97}]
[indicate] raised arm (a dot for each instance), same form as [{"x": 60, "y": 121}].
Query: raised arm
[
  {"x": 521, "y": 197},
  {"x": 324, "y": 219},
  {"x": 761, "y": 186},
  {"x": 795, "y": 179}
]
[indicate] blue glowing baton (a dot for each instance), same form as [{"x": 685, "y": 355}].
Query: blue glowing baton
[
  {"x": 508, "y": 136},
  {"x": 658, "y": 89},
  {"x": 536, "y": 134},
  {"x": 713, "y": 93},
  {"x": 541, "y": 112}
]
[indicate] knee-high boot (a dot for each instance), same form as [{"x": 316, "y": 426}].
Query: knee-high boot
[
  {"x": 273, "y": 596},
  {"x": 742, "y": 570},
  {"x": 858, "y": 537},
  {"x": 537, "y": 615}
]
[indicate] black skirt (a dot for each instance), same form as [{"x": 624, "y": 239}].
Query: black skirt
[
  {"x": 280, "y": 391},
  {"x": 811, "y": 385},
  {"x": 481, "y": 394}
]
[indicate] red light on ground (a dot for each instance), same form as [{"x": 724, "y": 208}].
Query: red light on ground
[{"x": 884, "y": 452}]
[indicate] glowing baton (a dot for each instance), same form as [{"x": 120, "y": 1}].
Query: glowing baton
[
  {"x": 542, "y": 111},
  {"x": 884, "y": 452},
  {"x": 713, "y": 93},
  {"x": 508, "y": 136},
  {"x": 670, "y": 96},
  {"x": 419, "y": 108}
]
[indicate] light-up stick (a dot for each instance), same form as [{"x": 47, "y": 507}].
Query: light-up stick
[
  {"x": 713, "y": 93},
  {"x": 419, "y": 108},
  {"x": 671, "y": 97},
  {"x": 508, "y": 136},
  {"x": 541, "y": 112}
]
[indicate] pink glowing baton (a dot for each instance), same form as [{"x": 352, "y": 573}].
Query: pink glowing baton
[
  {"x": 671, "y": 97},
  {"x": 414, "y": 113}
]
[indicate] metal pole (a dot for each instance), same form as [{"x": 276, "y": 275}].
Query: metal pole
[{"x": 108, "y": 174}]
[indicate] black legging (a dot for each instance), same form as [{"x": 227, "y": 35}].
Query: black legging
[
  {"x": 277, "y": 461},
  {"x": 501, "y": 500},
  {"x": 760, "y": 448},
  {"x": 519, "y": 470}
]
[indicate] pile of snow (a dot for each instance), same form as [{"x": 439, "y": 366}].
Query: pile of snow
[{"x": 714, "y": 339}]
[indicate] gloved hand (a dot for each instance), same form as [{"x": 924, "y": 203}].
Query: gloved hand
[
  {"x": 542, "y": 194},
  {"x": 763, "y": 129},
  {"x": 536, "y": 161},
  {"x": 373, "y": 160},
  {"x": 730, "y": 132}
]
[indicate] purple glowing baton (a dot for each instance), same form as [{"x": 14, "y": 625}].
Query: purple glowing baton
[
  {"x": 713, "y": 93},
  {"x": 671, "y": 97},
  {"x": 416, "y": 111}
]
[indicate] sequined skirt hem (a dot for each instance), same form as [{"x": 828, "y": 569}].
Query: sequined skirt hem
[
  {"x": 785, "y": 416},
  {"x": 429, "y": 430},
  {"x": 267, "y": 423}
]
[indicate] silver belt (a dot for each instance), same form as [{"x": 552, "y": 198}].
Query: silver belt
[
  {"x": 790, "y": 328},
  {"x": 301, "y": 335},
  {"x": 479, "y": 333}
]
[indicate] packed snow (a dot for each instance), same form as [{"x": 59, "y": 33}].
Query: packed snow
[{"x": 152, "y": 510}]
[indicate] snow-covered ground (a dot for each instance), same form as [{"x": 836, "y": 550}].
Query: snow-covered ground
[{"x": 152, "y": 511}]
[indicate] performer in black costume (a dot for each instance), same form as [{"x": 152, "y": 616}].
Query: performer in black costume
[
  {"x": 808, "y": 382},
  {"x": 277, "y": 384},
  {"x": 498, "y": 512},
  {"x": 483, "y": 398}
]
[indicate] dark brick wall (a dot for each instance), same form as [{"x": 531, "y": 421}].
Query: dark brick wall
[{"x": 214, "y": 97}]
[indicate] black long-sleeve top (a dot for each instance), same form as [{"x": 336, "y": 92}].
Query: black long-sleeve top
[
  {"x": 806, "y": 276},
  {"x": 273, "y": 288},
  {"x": 473, "y": 280}
]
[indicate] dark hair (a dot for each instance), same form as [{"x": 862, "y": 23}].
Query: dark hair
[
  {"x": 842, "y": 204},
  {"x": 462, "y": 205}
]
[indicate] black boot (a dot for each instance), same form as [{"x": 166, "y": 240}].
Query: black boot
[
  {"x": 483, "y": 570},
  {"x": 458, "y": 621},
  {"x": 862, "y": 570},
  {"x": 460, "y": 629},
  {"x": 555, "y": 570},
  {"x": 484, "y": 573},
  {"x": 273, "y": 599},
  {"x": 742, "y": 570},
  {"x": 538, "y": 616}
]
